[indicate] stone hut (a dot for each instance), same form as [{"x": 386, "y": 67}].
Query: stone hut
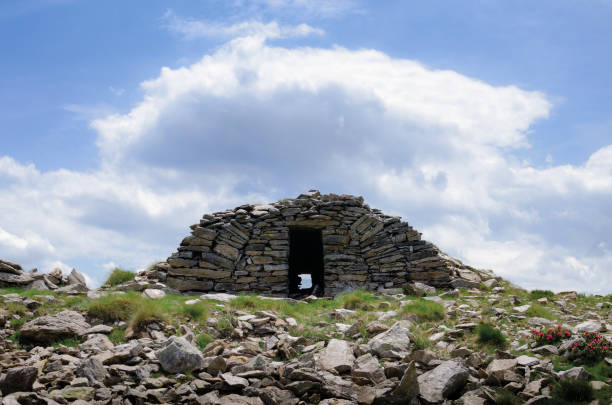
[{"x": 323, "y": 244}]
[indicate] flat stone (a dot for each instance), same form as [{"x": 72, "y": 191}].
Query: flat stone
[
  {"x": 338, "y": 355},
  {"x": 51, "y": 328},
  {"x": 393, "y": 343},
  {"x": 153, "y": 294}
]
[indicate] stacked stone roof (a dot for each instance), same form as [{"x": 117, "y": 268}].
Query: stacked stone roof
[{"x": 247, "y": 249}]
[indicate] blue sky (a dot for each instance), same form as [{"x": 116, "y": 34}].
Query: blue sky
[{"x": 486, "y": 125}]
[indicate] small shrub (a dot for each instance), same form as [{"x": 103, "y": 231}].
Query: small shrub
[
  {"x": 17, "y": 323},
  {"x": 487, "y": 334},
  {"x": 573, "y": 390},
  {"x": 203, "y": 339},
  {"x": 505, "y": 397},
  {"x": 537, "y": 294},
  {"x": 117, "y": 336},
  {"x": 224, "y": 325},
  {"x": 359, "y": 299},
  {"x": 195, "y": 311},
  {"x": 425, "y": 310},
  {"x": 118, "y": 276},
  {"x": 15, "y": 308},
  {"x": 539, "y": 311},
  {"x": 550, "y": 336},
  {"x": 147, "y": 312},
  {"x": 114, "y": 307},
  {"x": 593, "y": 348}
]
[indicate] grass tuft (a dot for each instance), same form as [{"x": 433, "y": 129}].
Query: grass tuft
[
  {"x": 573, "y": 390},
  {"x": 537, "y": 294},
  {"x": 425, "y": 310},
  {"x": 202, "y": 340},
  {"x": 148, "y": 311},
  {"x": 118, "y": 276},
  {"x": 539, "y": 311},
  {"x": 505, "y": 397},
  {"x": 114, "y": 307},
  {"x": 487, "y": 334},
  {"x": 117, "y": 336}
]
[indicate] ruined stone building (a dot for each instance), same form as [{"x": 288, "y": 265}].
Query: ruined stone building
[{"x": 327, "y": 243}]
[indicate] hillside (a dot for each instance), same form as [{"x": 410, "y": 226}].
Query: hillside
[{"x": 132, "y": 343}]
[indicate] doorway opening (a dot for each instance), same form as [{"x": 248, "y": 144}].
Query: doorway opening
[{"x": 305, "y": 261}]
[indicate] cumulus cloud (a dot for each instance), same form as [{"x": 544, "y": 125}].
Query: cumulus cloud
[
  {"x": 254, "y": 122},
  {"x": 192, "y": 29}
]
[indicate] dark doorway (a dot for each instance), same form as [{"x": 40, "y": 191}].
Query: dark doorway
[{"x": 305, "y": 261}]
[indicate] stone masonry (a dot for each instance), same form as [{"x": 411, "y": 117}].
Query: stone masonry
[{"x": 247, "y": 249}]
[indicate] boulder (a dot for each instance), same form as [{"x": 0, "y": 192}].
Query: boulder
[
  {"x": 588, "y": 326},
  {"x": 393, "y": 343},
  {"x": 18, "y": 379},
  {"x": 499, "y": 369},
  {"x": 51, "y": 328},
  {"x": 92, "y": 369},
  {"x": 443, "y": 381},
  {"x": 367, "y": 366},
  {"x": 575, "y": 373},
  {"x": 153, "y": 294},
  {"x": 408, "y": 386},
  {"x": 75, "y": 277},
  {"x": 338, "y": 355},
  {"x": 179, "y": 356}
]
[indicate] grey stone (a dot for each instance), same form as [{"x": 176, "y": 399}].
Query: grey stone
[
  {"x": 338, "y": 355},
  {"x": 179, "y": 356},
  {"x": 18, "y": 379},
  {"x": 443, "y": 381},
  {"x": 50, "y": 328},
  {"x": 393, "y": 343}
]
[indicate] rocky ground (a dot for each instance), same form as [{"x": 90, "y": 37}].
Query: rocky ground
[{"x": 138, "y": 343}]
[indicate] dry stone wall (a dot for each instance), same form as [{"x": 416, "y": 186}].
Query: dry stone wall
[{"x": 247, "y": 248}]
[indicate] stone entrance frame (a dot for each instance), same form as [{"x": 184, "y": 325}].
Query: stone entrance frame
[{"x": 247, "y": 248}]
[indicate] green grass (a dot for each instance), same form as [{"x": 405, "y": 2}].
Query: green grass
[
  {"x": 148, "y": 311},
  {"x": 202, "y": 340},
  {"x": 537, "y": 294},
  {"x": 600, "y": 370},
  {"x": 420, "y": 339},
  {"x": 425, "y": 310},
  {"x": 505, "y": 397},
  {"x": 539, "y": 311},
  {"x": 69, "y": 342},
  {"x": 14, "y": 308},
  {"x": 18, "y": 323},
  {"x": 114, "y": 307},
  {"x": 356, "y": 300},
  {"x": 198, "y": 311},
  {"x": 117, "y": 336},
  {"x": 489, "y": 335},
  {"x": 572, "y": 391},
  {"x": 118, "y": 276}
]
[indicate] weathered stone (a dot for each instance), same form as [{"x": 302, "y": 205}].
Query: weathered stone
[
  {"x": 92, "y": 369},
  {"x": 393, "y": 343},
  {"x": 51, "y": 328},
  {"x": 443, "y": 381},
  {"x": 338, "y": 355},
  {"x": 178, "y": 355},
  {"x": 153, "y": 294},
  {"x": 18, "y": 379},
  {"x": 367, "y": 366}
]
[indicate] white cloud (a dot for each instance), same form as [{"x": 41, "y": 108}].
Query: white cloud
[
  {"x": 252, "y": 122},
  {"x": 192, "y": 29}
]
